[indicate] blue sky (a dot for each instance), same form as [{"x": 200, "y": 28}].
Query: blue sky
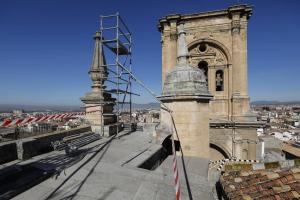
[{"x": 46, "y": 46}]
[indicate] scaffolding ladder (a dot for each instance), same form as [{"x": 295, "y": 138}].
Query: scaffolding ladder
[{"x": 117, "y": 48}]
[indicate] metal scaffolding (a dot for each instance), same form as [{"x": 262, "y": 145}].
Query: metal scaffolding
[{"x": 117, "y": 49}]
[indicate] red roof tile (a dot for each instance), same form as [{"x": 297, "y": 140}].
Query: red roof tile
[{"x": 267, "y": 184}]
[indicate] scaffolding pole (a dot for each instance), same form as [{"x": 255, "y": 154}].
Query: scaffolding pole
[{"x": 117, "y": 48}]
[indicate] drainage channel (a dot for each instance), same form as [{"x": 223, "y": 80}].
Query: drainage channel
[{"x": 155, "y": 160}]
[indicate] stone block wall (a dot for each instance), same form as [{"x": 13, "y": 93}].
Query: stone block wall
[
  {"x": 30, "y": 147},
  {"x": 8, "y": 152}
]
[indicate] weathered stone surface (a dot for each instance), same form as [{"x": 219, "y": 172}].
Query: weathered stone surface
[
  {"x": 185, "y": 80},
  {"x": 8, "y": 152},
  {"x": 37, "y": 145}
]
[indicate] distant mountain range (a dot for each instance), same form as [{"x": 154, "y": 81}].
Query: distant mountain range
[
  {"x": 65, "y": 108},
  {"x": 146, "y": 106},
  {"x": 28, "y": 108},
  {"x": 75, "y": 108},
  {"x": 157, "y": 105}
]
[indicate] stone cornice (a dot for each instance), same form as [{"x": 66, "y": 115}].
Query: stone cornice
[
  {"x": 196, "y": 97},
  {"x": 210, "y": 27},
  {"x": 242, "y": 10},
  {"x": 237, "y": 124}
]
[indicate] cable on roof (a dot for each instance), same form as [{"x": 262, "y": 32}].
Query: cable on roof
[{"x": 173, "y": 122}]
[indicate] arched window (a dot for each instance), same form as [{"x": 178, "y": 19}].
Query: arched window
[
  {"x": 203, "y": 65},
  {"x": 219, "y": 80}
]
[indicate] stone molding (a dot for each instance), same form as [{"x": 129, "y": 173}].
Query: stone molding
[{"x": 216, "y": 43}]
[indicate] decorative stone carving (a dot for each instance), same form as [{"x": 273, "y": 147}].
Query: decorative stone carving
[
  {"x": 212, "y": 55},
  {"x": 220, "y": 59},
  {"x": 198, "y": 35},
  {"x": 236, "y": 25},
  {"x": 173, "y": 36}
]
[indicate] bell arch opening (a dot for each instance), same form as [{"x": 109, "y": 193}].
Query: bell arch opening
[
  {"x": 219, "y": 80},
  {"x": 203, "y": 65}
]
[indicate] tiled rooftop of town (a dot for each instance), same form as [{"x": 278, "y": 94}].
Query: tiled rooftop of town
[{"x": 269, "y": 181}]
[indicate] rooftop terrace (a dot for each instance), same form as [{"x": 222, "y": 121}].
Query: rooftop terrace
[{"x": 106, "y": 169}]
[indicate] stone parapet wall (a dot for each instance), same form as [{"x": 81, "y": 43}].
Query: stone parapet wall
[
  {"x": 8, "y": 152},
  {"x": 29, "y": 147}
]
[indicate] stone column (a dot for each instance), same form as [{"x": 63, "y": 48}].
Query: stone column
[
  {"x": 169, "y": 44},
  {"x": 244, "y": 52},
  {"x": 240, "y": 99},
  {"x": 173, "y": 44},
  {"x": 171, "y": 47},
  {"x": 237, "y": 54}
]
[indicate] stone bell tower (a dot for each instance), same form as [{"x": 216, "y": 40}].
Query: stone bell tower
[
  {"x": 217, "y": 45},
  {"x": 98, "y": 103},
  {"x": 185, "y": 93}
]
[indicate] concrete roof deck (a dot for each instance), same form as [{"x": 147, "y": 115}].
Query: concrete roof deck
[{"x": 107, "y": 169}]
